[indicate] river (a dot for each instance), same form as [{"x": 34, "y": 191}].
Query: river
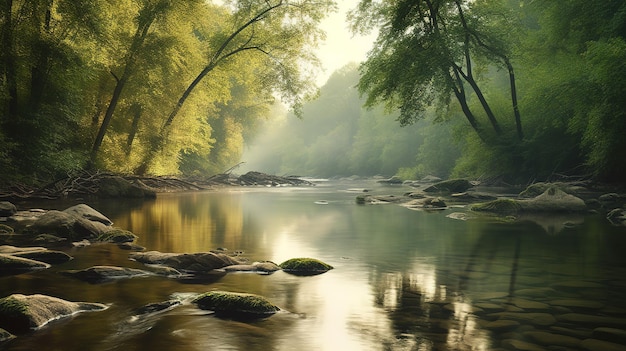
[{"x": 402, "y": 279}]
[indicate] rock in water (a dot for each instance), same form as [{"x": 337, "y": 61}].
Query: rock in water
[
  {"x": 305, "y": 266},
  {"x": 101, "y": 274},
  {"x": 20, "y": 313},
  {"x": 238, "y": 305}
]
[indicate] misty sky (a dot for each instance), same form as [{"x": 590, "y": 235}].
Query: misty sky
[{"x": 341, "y": 47}]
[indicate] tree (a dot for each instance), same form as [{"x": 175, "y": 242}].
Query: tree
[
  {"x": 283, "y": 32},
  {"x": 428, "y": 51}
]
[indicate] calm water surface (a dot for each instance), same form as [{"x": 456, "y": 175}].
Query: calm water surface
[{"x": 403, "y": 279}]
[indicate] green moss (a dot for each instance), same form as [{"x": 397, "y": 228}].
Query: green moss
[
  {"x": 305, "y": 266},
  {"x": 499, "y": 206},
  {"x": 235, "y": 304},
  {"x": 14, "y": 315},
  {"x": 117, "y": 236}
]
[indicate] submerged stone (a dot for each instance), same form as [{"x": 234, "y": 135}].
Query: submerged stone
[
  {"x": 600, "y": 345},
  {"x": 305, "y": 266},
  {"x": 19, "y": 313},
  {"x": 552, "y": 339},
  {"x": 12, "y": 264},
  {"x": 196, "y": 262},
  {"x": 236, "y": 305},
  {"x": 100, "y": 274}
]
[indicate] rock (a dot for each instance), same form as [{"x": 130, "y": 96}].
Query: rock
[
  {"x": 472, "y": 196},
  {"x": 65, "y": 225},
  {"x": 612, "y": 200},
  {"x": 131, "y": 247},
  {"x": 117, "y": 235},
  {"x": 578, "y": 304},
  {"x": 196, "y": 262},
  {"x": 592, "y": 320},
  {"x": 14, "y": 265},
  {"x": 46, "y": 256},
  {"x": 552, "y": 200},
  {"x": 259, "y": 267},
  {"x": 20, "y": 313},
  {"x": 528, "y": 304},
  {"x": 500, "y": 326},
  {"x": 5, "y": 229},
  {"x": 305, "y": 266},
  {"x": 101, "y": 274},
  {"x": 84, "y": 211},
  {"x": 551, "y": 339},
  {"x": 5, "y": 336},
  {"x": 427, "y": 203},
  {"x": 7, "y": 209},
  {"x": 449, "y": 186},
  {"x": 599, "y": 345},
  {"x": 539, "y": 188},
  {"x": 390, "y": 181},
  {"x": 617, "y": 336},
  {"x": 115, "y": 187},
  {"x": 537, "y": 319},
  {"x": 230, "y": 304},
  {"x": 519, "y": 345},
  {"x": 503, "y": 207},
  {"x": 617, "y": 216},
  {"x": 379, "y": 199}
]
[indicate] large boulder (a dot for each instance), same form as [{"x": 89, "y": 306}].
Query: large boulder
[
  {"x": 75, "y": 223},
  {"x": 617, "y": 217},
  {"x": 539, "y": 188},
  {"x": 194, "y": 262},
  {"x": 20, "y": 313},
  {"x": 237, "y": 305},
  {"x": 84, "y": 211},
  {"x": 552, "y": 200}
]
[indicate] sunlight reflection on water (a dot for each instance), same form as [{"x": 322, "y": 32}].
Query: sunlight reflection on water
[{"x": 402, "y": 280}]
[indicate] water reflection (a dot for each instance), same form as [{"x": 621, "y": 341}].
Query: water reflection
[{"x": 403, "y": 280}]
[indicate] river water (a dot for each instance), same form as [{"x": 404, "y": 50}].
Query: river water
[{"x": 402, "y": 279}]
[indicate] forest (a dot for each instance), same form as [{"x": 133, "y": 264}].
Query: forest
[{"x": 518, "y": 89}]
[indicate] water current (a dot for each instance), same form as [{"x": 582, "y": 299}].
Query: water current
[{"x": 402, "y": 279}]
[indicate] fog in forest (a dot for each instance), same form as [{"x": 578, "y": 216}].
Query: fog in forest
[{"x": 337, "y": 136}]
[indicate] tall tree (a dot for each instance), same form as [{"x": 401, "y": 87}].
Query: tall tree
[
  {"x": 429, "y": 51},
  {"x": 283, "y": 32}
]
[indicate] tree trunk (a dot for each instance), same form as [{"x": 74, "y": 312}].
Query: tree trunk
[
  {"x": 8, "y": 60},
  {"x": 139, "y": 38},
  {"x": 136, "y": 111},
  {"x": 518, "y": 118}
]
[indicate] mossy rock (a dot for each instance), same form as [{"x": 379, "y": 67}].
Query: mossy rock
[
  {"x": 20, "y": 313},
  {"x": 499, "y": 206},
  {"x": 305, "y": 266},
  {"x": 14, "y": 314},
  {"x": 117, "y": 235},
  {"x": 449, "y": 186},
  {"x": 236, "y": 305}
]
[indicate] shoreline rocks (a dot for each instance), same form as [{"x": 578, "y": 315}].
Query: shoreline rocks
[{"x": 21, "y": 313}]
